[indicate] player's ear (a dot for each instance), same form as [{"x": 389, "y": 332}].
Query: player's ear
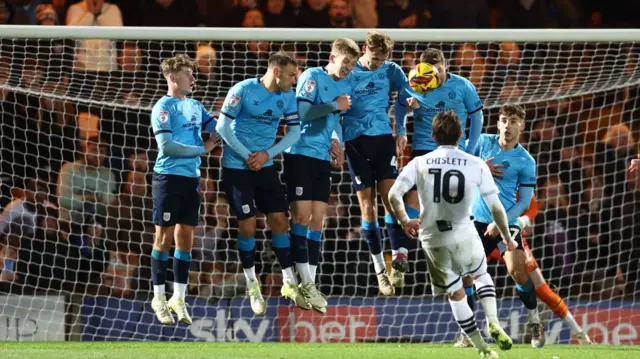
[
  {"x": 364, "y": 49},
  {"x": 522, "y": 126},
  {"x": 276, "y": 71},
  {"x": 332, "y": 58}
]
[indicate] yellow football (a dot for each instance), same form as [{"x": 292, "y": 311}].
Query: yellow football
[{"x": 423, "y": 78}]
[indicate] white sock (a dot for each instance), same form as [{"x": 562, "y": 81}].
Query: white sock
[
  {"x": 467, "y": 322},
  {"x": 305, "y": 272},
  {"x": 394, "y": 254},
  {"x": 158, "y": 291},
  {"x": 378, "y": 263},
  {"x": 312, "y": 270},
  {"x": 288, "y": 276},
  {"x": 570, "y": 321},
  {"x": 487, "y": 295},
  {"x": 403, "y": 250},
  {"x": 250, "y": 276},
  {"x": 534, "y": 317},
  {"x": 180, "y": 290}
]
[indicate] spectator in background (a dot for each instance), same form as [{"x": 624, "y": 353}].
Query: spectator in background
[
  {"x": 24, "y": 12},
  {"x": 531, "y": 14},
  {"x": 86, "y": 187},
  {"x": 206, "y": 75},
  {"x": 340, "y": 14},
  {"x": 460, "y": 14},
  {"x": 314, "y": 14},
  {"x": 402, "y": 14},
  {"x": 95, "y": 55},
  {"x": 254, "y": 63},
  {"x": 94, "y": 58},
  {"x": 240, "y": 9},
  {"x": 277, "y": 14},
  {"x": 171, "y": 13},
  {"x": 18, "y": 220}
]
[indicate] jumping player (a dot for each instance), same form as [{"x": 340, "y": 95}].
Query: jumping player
[
  {"x": 372, "y": 153},
  {"x": 248, "y": 123},
  {"x": 323, "y": 96}
]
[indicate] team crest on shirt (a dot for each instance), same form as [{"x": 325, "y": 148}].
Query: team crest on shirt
[
  {"x": 234, "y": 100},
  {"x": 382, "y": 75},
  {"x": 280, "y": 104},
  {"x": 309, "y": 86},
  {"x": 452, "y": 95},
  {"x": 506, "y": 164},
  {"x": 163, "y": 116}
]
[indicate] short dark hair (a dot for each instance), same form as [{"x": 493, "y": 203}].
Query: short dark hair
[
  {"x": 513, "y": 111},
  {"x": 433, "y": 56},
  {"x": 281, "y": 59},
  {"x": 446, "y": 128}
]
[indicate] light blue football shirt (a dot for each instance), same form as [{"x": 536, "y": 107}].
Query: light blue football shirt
[
  {"x": 256, "y": 114},
  {"x": 457, "y": 94},
  {"x": 519, "y": 171},
  {"x": 370, "y": 99},
  {"x": 316, "y": 86},
  {"x": 183, "y": 119}
]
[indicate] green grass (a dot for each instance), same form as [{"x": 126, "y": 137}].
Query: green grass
[{"x": 139, "y": 350}]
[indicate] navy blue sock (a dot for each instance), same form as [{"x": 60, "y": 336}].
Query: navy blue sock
[
  {"x": 314, "y": 244},
  {"x": 247, "y": 251},
  {"x": 299, "y": 243},
  {"x": 394, "y": 230},
  {"x": 527, "y": 295},
  {"x": 159, "y": 262},
  {"x": 372, "y": 236},
  {"x": 282, "y": 248},
  {"x": 181, "y": 266},
  {"x": 471, "y": 300}
]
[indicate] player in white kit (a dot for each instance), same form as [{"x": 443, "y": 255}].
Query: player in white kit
[{"x": 447, "y": 180}]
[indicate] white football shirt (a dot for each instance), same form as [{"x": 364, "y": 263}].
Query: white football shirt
[{"x": 447, "y": 179}]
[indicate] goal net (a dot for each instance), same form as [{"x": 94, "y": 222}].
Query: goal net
[{"x": 75, "y": 241}]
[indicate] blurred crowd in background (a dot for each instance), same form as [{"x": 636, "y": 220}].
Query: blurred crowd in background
[{"x": 76, "y": 148}]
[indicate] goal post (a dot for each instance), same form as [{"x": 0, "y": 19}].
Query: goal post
[{"x": 60, "y": 86}]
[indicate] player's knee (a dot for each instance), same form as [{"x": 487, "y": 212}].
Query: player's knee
[
  {"x": 184, "y": 237},
  {"x": 316, "y": 223},
  {"x": 247, "y": 227},
  {"x": 458, "y": 295},
  {"x": 163, "y": 238},
  {"x": 519, "y": 275},
  {"x": 301, "y": 217},
  {"x": 278, "y": 222}
]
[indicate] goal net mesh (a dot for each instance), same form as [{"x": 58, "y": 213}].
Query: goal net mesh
[{"x": 88, "y": 236}]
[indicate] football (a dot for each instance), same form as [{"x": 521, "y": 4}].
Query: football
[{"x": 423, "y": 78}]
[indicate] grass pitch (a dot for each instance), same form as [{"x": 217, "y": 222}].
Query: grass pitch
[{"x": 139, "y": 350}]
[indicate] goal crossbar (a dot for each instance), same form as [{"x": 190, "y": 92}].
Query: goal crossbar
[{"x": 282, "y": 34}]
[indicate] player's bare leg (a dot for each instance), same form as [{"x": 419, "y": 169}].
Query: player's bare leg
[
  {"x": 247, "y": 252},
  {"x": 367, "y": 199},
  {"x": 301, "y": 212},
  {"x": 159, "y": 259},
  {"x": 557, "y": 305},
  {"x": 467, "y": 322},
  {"x": 281, "y": 243},
  {"x": 399, "y": 251},
  {"x": 181, "y": 265},
  {"x": 516, "y": 266}
]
